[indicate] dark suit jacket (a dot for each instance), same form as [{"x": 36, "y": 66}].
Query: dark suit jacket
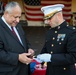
[
  {"x": 61, "y": 44},
  {"x": 10, "y": 47}
]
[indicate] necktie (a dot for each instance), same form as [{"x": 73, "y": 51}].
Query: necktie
[{"x": 14, "y": 32}]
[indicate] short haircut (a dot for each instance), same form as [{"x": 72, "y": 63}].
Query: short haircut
[{"x": 11, "y": 5}]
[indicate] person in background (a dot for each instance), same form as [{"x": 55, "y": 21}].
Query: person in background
[
  {"x": 15, "y": 51},
  {"x": 1, "y": 8},
  {"x": 59, "y": 50}
]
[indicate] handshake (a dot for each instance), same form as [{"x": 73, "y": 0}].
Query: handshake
[{"x": 46, "y": 57}]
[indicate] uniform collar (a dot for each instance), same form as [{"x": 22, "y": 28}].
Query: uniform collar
[{"x": 64, "y": 24}]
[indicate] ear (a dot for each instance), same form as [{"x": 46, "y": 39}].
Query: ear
[
  {"x": 59, "y": 15},
  {"x": 6, "y": 12}
]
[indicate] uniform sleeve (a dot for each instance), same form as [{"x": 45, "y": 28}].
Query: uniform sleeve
[{"x": 69, "y": 57}]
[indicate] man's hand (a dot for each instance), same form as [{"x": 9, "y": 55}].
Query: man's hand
[
  {"x": 24, "y": 58},
  {"x": 32, "y": 53}
]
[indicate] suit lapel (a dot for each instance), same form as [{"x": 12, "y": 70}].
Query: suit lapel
[
  {"x": 11, "y": 33},
  {"x": 21, "y": 36}
]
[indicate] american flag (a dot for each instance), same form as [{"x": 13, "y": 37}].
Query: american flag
[{"x": 33, "y": 9}]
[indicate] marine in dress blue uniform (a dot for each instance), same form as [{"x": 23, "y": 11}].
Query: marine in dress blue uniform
[{"x": 59, "y": 50}]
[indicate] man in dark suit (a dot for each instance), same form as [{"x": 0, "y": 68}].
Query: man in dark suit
[
  {"x": 59, "y": 50},
  {"x": 15, "y": 50}
]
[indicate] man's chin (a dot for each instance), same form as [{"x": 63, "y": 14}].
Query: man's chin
[{"x": 14, "y": 24}]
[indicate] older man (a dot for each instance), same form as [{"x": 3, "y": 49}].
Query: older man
[{"x": 15, "y": 50}]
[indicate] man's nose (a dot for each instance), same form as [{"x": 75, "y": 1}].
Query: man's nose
[{"x": 18, "y": 19}]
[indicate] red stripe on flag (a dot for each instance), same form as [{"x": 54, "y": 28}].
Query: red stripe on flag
[
  {"x": 37, "y": 14},
  {"x": 34, "y": 19}
]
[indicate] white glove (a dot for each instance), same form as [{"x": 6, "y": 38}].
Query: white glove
[
  {"x": 38, "y": 60},
  {"x": 46, "y": 57}
]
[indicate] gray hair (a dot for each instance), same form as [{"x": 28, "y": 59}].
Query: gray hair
[{"x": 11, "y": 5}]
